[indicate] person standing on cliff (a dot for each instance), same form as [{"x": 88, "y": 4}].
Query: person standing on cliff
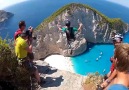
[
  {"x": 22, "y": 27},
  {"x": 21, "y": 50},
  {"x": 70, "y": 31}
]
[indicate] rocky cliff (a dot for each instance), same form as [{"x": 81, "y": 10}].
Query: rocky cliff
[
  {"x": 4, "y": 15},
  {"x": 97, "y": 28},
  {"x": 58, "y": 79}
]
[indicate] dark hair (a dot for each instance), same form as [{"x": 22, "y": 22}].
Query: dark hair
[
  {"x": 23, "y": 34},
  {"x": 22, "y": 23},
  {"x": 28, "y": 33},
  {"x": 67, "y": 23}
]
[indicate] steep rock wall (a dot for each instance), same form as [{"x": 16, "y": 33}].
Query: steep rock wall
[{"x": 97, "y": 28}]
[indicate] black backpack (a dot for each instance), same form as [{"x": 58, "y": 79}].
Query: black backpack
[{"x": 72, "y": 36}]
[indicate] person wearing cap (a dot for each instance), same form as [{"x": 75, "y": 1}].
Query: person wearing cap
[
  {"x": 117, "y": 40},
  {"x": 69, "y": 30},
  {"x": 21, "y": 50}
]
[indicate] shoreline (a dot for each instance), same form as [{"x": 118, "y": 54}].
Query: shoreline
[{"x": 60, "y": 62}]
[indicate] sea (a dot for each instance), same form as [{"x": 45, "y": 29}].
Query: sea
[{"x": 97, "y": 56}]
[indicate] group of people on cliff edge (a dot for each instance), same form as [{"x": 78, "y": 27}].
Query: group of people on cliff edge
[{"x": 23, "y": 49}]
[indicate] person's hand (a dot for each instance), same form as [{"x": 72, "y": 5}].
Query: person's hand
[
  {"x": 80, "y": 24},
  {"x": 112, "y": 59},
  {"x": 30, "y": 48},
  {"x": 104, "y": 84},
  {"x": 59, "y": 26},
  {"x": 30, "y": 29}
]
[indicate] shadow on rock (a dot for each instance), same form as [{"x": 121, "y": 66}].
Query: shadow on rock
[
  {"x": 53, "y": 82},
  {"x": 45, "y": 69}
]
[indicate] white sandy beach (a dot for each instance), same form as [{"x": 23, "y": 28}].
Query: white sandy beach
[{"x": 60, "y": 62}]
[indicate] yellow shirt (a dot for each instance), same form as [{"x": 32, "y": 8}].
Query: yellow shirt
[{"x": 20, "y": 48}]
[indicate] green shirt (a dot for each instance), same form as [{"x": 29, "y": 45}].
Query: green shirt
[{"x": 64, "y": 29}]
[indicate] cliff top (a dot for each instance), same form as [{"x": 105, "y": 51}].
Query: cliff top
[
  {"x": 113, "y": 23},
  {"x": 58, "y": 79}
]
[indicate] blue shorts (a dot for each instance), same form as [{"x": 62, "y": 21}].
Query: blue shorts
[{"x": 117, "y": 87}]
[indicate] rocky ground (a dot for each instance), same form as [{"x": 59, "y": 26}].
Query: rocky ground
[{"x": 58, "y": 79}]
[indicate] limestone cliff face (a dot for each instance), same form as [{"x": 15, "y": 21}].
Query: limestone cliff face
[
  {"x": 4, "y": 15},
  {"x": 97, "y": 28},
  {"x": 55, "y": 42}
]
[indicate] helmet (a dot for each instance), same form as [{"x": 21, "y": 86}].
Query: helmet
[
  {"x": 118, "y": 37},
  {"x": 67, "y": 23}
]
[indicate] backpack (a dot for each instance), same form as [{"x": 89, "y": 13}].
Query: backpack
[
  {"x": 17, "y": 34},
  {"x": 72, "y": 36}
]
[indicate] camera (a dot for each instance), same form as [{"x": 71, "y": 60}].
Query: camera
[{"x": 29, "y": 34}]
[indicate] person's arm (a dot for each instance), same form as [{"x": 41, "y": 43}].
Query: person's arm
[
  {"x": 80, "y": 27},
  {"x": 26, "y": 47},
  {"x": 29, "y": 49},
  {"x": 59, "y": 27},
  {"x": 107, "y": 82}
]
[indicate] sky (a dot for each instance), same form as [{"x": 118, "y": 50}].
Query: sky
[
  {"x": 6, "y": 3},
  {"x": 121, "y": 2}
]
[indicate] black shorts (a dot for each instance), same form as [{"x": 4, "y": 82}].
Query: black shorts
[
  {"x": 28, "y": 65},
  {"x": 30, "y": 56}
]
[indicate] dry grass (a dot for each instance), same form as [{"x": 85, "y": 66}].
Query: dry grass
[{"x": 92, "y": 80}]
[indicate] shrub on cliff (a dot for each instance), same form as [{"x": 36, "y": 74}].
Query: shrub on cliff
[
  {"x": 92, "y": 80},
  {"x": 9, "y": 69}
]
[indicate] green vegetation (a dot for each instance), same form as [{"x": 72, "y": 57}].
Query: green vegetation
[
  {"x": 9, "y": 69},
  {"x": 115, "y": 24}
]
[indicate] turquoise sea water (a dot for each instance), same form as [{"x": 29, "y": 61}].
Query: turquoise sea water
[
  {"x": 95, "y": 59},
  {"x": 35, "y": 11}
]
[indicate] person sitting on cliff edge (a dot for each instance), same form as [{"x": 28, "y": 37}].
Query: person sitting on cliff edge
[
  {"x": 117, "y": 40},
  {"x": 121, "y": 81},
  {"x": 70, "y": 31}
]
